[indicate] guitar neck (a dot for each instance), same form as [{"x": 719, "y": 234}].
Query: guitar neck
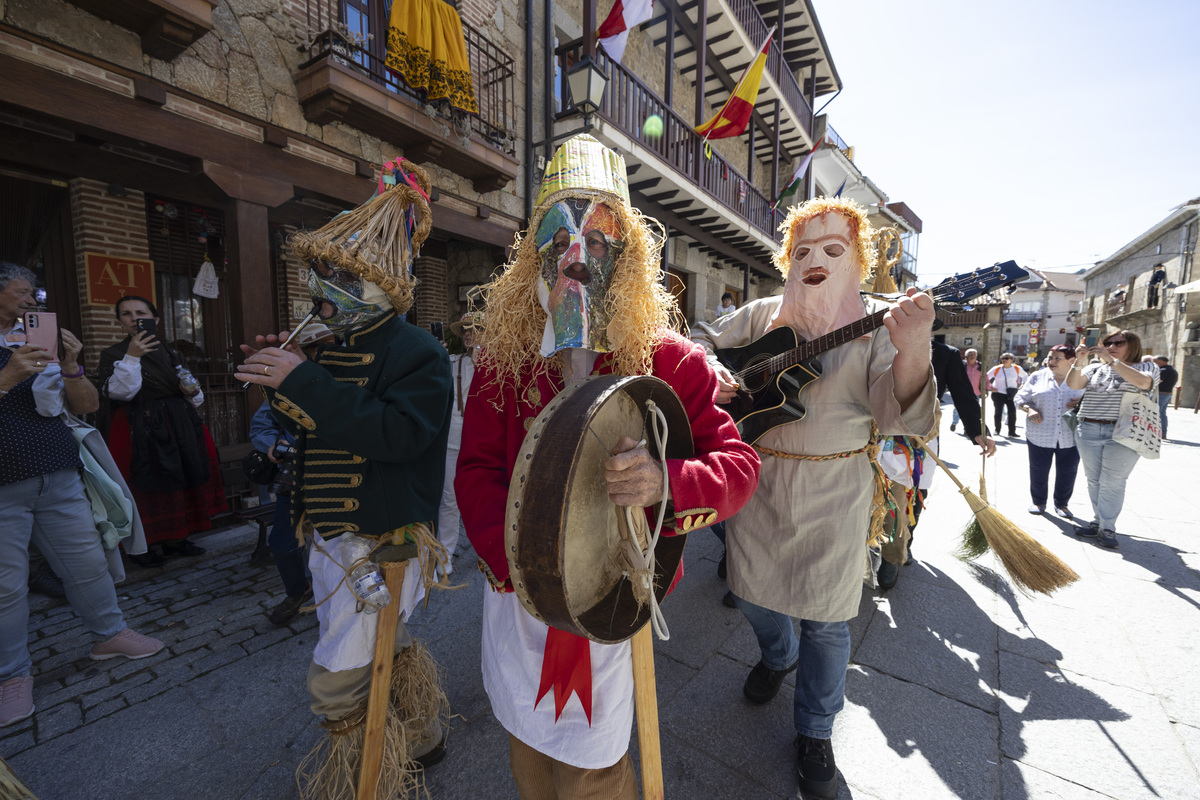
[{"x": 860, "y": 327}]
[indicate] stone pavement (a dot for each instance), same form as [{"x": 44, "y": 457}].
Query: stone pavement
[{"x": 959, "y": 686}]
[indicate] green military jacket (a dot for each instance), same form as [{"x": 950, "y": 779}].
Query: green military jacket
[{"x": 371, "y": 417}]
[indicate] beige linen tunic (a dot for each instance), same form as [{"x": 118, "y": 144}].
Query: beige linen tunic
[{"x": 798, "y": 546}]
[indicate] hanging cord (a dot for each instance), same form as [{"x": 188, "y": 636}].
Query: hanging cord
[{"x": 644, "y": 562}]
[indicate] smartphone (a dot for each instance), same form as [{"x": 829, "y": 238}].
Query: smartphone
[
  {"x": 149, "y": 325},
  {"x": 41, "y": 328},
  {"x": 438, "y": 330},
  {"x": 1091, "y": 337}
]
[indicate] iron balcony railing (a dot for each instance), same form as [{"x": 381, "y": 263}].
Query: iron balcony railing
[
  {"x": 628, "y": 103},
  {"x": 363, "y": 48}
]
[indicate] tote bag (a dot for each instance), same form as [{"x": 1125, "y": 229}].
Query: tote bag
[{"x": 1138, "y": 426}]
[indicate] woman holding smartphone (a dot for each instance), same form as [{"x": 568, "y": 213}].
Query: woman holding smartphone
[
  {"x": 156, "y": 437},
  {"x": 1107, "y": 463}
]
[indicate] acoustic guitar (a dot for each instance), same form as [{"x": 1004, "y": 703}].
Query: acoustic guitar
[{"x": 771, "y": 371}]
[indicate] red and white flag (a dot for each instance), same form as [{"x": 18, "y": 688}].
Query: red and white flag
[{"x": 625, "y": 15}]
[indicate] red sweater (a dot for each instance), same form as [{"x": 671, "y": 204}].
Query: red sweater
[{"x": 705, "y": 489}]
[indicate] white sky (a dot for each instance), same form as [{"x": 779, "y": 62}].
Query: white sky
[{"x": 1048, "y": 132}]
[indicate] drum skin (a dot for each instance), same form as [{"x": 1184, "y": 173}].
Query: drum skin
[{"x": 560, "y": 530}]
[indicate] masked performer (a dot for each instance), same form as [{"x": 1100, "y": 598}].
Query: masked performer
[
  {"x": 371, "y": 416},
  {"x": 796, "y": 549},
  {"x": 583, "y": 296}
]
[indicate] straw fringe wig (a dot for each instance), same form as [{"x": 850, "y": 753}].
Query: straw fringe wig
[{"x": 639, "y": 306}]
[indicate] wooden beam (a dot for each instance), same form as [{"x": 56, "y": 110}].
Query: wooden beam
[
  {"x": 641, "y": 186},
  {"x": 249, "y": 252},
  {"x": 109, "y": 116}
]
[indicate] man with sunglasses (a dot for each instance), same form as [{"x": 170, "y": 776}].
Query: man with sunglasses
[{"x": 1004, "y": 380}]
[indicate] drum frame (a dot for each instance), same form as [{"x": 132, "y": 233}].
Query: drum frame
[{"x": 548, "y": 465}]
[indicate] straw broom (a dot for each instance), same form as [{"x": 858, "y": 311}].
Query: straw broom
[
  {"x": 1030, "y": 565},
  {"x": 11, "y": 787}
]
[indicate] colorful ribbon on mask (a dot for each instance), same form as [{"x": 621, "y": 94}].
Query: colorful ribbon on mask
[{"x": 566, "y": 666}]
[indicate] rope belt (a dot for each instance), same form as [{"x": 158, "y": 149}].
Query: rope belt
[
  {"x": 766, "y": 451},
  {"x": 881, "y": 502}
]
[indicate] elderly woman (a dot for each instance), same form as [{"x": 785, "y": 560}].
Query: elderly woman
[
  {"x": 1044, "y": 398},
  {"x": 1107, "y": 463},
  {"x": 42, "y": 501}
]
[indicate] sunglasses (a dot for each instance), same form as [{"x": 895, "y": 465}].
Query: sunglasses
[
  {"x": 1006, "y": 359},
  {"x": 1114, "y": 342}
]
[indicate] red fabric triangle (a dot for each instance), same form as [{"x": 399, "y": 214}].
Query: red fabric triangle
[{"x": 567, "y": 666}]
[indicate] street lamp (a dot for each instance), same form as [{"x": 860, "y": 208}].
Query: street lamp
[{"x": 587, "y": 82}]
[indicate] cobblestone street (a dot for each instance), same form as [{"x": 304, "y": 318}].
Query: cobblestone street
[{"x": 958, "y": 685}]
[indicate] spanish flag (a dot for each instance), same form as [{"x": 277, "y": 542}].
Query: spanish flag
[{"x": 733, "y": 117}]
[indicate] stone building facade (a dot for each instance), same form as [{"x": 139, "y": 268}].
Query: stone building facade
[
  {"x": 1120, "y": 293},
  {"x": 171, "y": 131}
]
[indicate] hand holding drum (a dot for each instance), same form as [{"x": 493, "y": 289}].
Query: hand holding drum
[{"x": 634, "y": 478}]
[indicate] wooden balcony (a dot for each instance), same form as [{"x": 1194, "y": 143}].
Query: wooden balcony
[
  {"x": 167, "y": 27},
  {"x": 628, "y": 103},
  {"x": 346, "y": 83}
]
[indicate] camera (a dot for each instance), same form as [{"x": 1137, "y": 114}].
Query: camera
[{"x": 285, "y": 479}]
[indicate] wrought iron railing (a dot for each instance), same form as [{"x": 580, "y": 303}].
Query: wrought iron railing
[
  {"x": 1023, "y": 316},
  {"x": 224, "y": 409},
  {"x": 745, "y": 12},
  {"x": 628, "y": 103},
  {"x": 492, "y": 70}
]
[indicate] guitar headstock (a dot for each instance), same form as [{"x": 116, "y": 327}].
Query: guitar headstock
[{"x": 967, "y": 285}]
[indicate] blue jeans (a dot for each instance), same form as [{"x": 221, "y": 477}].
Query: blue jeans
[
  {"x": 823, "y": 652},
  {"x": 1164, "y": 400},
  {"x": 1040, "y": 459},
  {"x": 1107, "y": 465},
  {"x": 52, "y": 511},
  {"x": 290, "y": 558}
]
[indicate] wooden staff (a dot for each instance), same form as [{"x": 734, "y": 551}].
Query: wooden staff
[
  {"x": 645, "y": 697},
  {"x": 381, "y": 682}
]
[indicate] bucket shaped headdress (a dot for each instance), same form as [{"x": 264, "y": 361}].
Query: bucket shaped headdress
[{"x": 360, "y": 262}]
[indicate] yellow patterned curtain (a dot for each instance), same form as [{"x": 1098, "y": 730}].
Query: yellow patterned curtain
[{"x": 425, "y": 47}]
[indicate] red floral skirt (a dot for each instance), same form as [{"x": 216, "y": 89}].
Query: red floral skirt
[{"x": 169, "y": 516}]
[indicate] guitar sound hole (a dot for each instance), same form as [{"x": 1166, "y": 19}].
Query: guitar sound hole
[{"x": 755, "y": 375}]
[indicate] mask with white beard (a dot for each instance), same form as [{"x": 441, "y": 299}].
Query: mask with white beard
[{"x": 821, "y": 293}]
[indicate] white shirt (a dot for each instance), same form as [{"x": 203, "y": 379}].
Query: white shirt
[
  {"x": 1001, "y": 378},
  {"x": 1049, "y": 397},
  {"x": 513, "y": 646},
  {"x": 126, "y": 381}
]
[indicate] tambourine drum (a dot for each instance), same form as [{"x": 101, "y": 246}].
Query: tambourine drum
[{"x": 561, "y": 532}]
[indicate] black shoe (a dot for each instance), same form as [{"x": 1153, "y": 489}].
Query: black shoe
[
  {"x": 44, "y": 581},
  {"x": 1108, "y": 539},
  {"x": 728, "y": 601},
  {"x": 183, "y": 547},
  {"x": 815, "y": 769},
  {"x": 762, "y": 684},
  {"x": 434, "y": 756},
  {"x": 1091, "y": 530},
  {"x": 887, "y": 575},
  {"x": 722, "y": 568},
  {"x": 287, "y": 611},
  {"x": 151, "y": 558},
  {"x": 953, "y": 425}
]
